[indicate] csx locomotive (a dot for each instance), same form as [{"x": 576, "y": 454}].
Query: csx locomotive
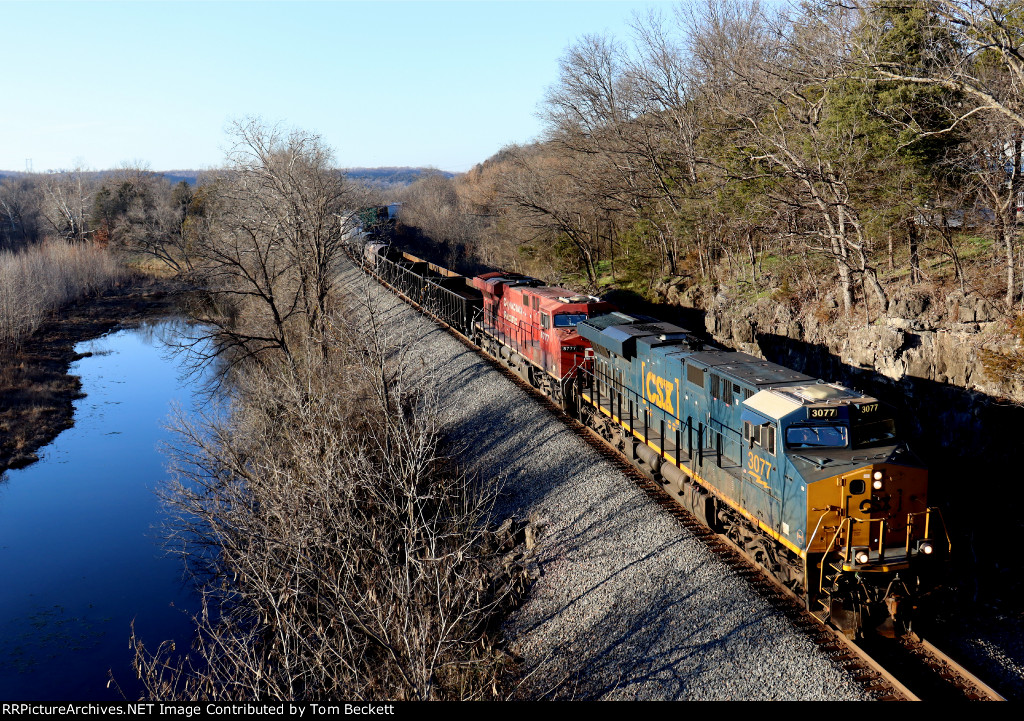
[{"x": 810, "y": 479}]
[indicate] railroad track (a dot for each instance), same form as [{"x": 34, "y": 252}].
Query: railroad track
[{"x": 924, "y": 672}]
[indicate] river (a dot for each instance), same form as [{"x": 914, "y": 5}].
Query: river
[{"x": 80, "y": 544}]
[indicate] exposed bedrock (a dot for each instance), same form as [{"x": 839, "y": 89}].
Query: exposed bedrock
[{"x": 922, "y": 356}]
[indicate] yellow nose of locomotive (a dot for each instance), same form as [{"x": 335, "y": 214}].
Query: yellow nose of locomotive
[{"x": 887, "y": 517}]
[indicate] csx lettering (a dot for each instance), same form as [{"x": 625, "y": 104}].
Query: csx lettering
[{"x": 659, "y": 391}]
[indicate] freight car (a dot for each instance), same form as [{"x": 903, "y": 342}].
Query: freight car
[{"x": 808, "y": 478}]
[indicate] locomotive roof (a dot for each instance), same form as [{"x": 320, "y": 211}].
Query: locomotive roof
[
  {"x": 619, "y": 333},
  {"x": 563, "y": 295},
  {"x": 616, "y": 318},
  {"x": 779, "y": 402},
  {"x": 824, "y": 393},
  {"x": 525, "y": 283},
  {"x": 747, "y": 368}
]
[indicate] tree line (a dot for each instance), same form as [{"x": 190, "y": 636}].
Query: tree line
[{"x": 835, "y": 151}]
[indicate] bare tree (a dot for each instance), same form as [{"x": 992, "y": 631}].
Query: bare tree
[
  {"x": 268, "y": 254},
  {"x": 546, "y": 196},
  {"x": 775, "y": 78},
  {"x": 972, "y": 53},
  {"x": 975, "y": 49},
  {"x": 67, "y": 196},
  {"x": 19, "y": 212}
]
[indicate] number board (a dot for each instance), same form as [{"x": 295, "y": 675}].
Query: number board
[{"x": 823, "y": 414}]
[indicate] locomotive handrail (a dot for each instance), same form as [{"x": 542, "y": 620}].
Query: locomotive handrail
[
  {"x": 828, "y": 510},
  {"x": 927, "y": 525}
]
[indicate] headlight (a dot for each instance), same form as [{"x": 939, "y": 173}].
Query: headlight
[
  {"x": 877, "y": 484},
  {"x": 925, "y": 547},
  {"x": 877, "y": 476},
  {"x": 861, "y": 556}
]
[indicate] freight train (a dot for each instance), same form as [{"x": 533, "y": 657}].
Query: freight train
[{"x": 809, "y": 479}]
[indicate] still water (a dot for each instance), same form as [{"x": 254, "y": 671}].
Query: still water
[{"x": 80, "y": 547}]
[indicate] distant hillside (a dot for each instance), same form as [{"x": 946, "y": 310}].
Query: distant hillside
[
  {"x": 384, "y": 177},
  {"x": 173, "y": 176},
  {"x": 176, "y": 176},
  {"x": 392, "y": 176}
]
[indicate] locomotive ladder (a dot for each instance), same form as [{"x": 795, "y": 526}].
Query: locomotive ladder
[{"x": 828, "y": 586}]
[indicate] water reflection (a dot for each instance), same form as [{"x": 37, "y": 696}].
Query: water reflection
[{"x": 80, "y": 553}]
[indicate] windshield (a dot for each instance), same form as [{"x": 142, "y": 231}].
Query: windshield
[
  {"x": 569, "y": 320},
  {"x": 882, "y": 430},
  {"x": 816, "y": 436}
]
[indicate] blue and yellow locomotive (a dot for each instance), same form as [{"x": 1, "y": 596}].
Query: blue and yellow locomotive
[{"x": 809, "y": 478}]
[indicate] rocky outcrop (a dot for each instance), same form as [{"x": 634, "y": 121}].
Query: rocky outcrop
[
  {"x": 907, "y": 343},
  {"x": 924, "y": 355}
]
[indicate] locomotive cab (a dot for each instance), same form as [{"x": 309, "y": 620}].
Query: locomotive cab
[
  {"x": 858, "y": 499},
  {"x": 537, "y": 322}
]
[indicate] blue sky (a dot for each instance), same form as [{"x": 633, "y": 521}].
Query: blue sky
[{"x": 442, "y": 84}]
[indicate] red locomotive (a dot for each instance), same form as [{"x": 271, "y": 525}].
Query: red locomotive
[
  {"x": 538, "y": 323},
  {"x": 515, "y": 318}
]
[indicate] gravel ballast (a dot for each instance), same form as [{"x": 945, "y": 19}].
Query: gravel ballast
[{"x": 629, "y": 605}]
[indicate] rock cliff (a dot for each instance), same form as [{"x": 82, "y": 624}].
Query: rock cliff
[{"x": 924, "y": 355}]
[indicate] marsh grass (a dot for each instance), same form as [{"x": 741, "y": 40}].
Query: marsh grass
[{"x": 36, "y": 282}]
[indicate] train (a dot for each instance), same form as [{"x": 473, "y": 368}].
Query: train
[{"x": 809, "y": 479}]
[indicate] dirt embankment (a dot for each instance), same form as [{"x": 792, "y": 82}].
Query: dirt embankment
[{"x": 36, "y": 391}]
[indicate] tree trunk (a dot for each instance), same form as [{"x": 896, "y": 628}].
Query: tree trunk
[
  {"x": 1006, "y": 230},
  {"x": 915, "y": 258},
  {"x": 845, "y": 285}
]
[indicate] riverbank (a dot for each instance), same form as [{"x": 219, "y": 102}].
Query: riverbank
[{"x": 36, "y": 391}]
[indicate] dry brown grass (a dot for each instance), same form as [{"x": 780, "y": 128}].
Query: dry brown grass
[{"x": 36, "y": 282}]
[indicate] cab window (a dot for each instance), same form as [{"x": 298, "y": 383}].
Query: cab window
[
  {"x": 545, "y": 321},
  {"x": 762, "y": 435},
  {"x": 876, "y": 432},
  {"x": 816, "y": 436},
  {"x": 569, "y": 320}
]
